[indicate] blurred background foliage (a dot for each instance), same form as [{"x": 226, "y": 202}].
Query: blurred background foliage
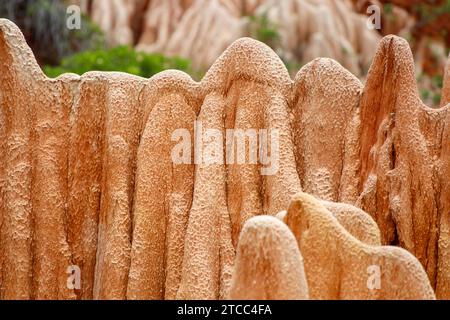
[
  {"x": 121, "y": 58},
  {"x": 43, "y": 23},
  {"x": 59, "y": 50}
]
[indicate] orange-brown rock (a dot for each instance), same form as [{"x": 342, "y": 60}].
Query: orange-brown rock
[
  {"x": 163, "y": 191},
  {"x": 87, "y": 176},
  {"x": 325, "y": 116},
  {"x": 403, "y": 150},
  {"x": 358, "y": 223},
  {"x": 338, "y": 266},
  {"x": 445, "y": 98},
  {"x": 268, "y": 263}
]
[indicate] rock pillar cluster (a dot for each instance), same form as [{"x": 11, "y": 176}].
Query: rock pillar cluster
[{"x": 356, "y": 204}]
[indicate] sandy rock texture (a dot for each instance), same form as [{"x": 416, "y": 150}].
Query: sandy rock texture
[
  {"x": 268, "y": 265},
  {"x": 338, "y": 266},
  {"x": 445, "y": 99},
  {"x": 88, "y": 177},
  {"x": 358, "y": 223},
  {"x": 404, "y": 161}
]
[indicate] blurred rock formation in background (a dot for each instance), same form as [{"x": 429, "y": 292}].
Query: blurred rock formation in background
[{"x": 305, "y": 28}]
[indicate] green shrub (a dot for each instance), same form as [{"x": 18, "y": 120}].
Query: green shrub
[
  {"x": 430, "y": 11},
  {"x": 425, "y": 94},
  {"x": 438, "y": 81},
  {"x": 121, "y": 58},
  {"x": 436, "y": 99},
  {"x": 43, "y": 23},
  {"x": 264, "y": 30}
]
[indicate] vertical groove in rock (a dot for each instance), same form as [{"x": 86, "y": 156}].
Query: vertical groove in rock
[
  {"x": 201, "y": 273},
  {"x": 244, "y": 181},
  {"x": 227, "y": 252},
  {"x": 399, "y": 140},
  {"x": 85, "y": 165},
  {"x": 51, "y": 252},
  {"x": 281, "y": 180},
  {"x": 180, "y": 198},
  {"x": 163, "y": 193},
  {"x": 325, "y": 97},
  {"x": 121, "y": 141}
]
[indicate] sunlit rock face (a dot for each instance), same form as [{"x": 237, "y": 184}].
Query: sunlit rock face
[{"x": 91, "y": 185}]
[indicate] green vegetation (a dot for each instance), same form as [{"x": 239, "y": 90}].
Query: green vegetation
[
  {"x": 261, "y": 28},
  {"x": 122, "y": 58},
  {"x": 424, "y": 94},
  {"x": 430, "y": 98},
  {"x": 264, "y": 30},
  {"x": 60, "y": 50},
  {"x": 43, "y": 23},
  {"x": 438, "y": 81},
  {"x": 430, "y": 12},
  {"x": 430, "y": 89},
  {"x": 388, "y": 10}
]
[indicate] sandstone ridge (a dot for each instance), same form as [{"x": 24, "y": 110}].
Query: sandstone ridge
[{"x": 87, "y": 178}]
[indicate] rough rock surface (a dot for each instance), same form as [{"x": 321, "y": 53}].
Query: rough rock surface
[
  {"x": 445, "y": 99},
  {"x": 358, "y": 223},
  {"x": 404, "y": 154},
  {"x": 338, "y": 266},
  {"x": 268, "y": 265},
  {"x": 87, "y": 178}
]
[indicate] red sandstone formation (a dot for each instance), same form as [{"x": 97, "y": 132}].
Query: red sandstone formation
[
  {"x": 87, "y": 176},
  {"x": 358, "y": 223},
  {"x": 404, "y": 158},
  {"x": 445, "y": 98},
  {"x": 163, "y": 193},
  {"x": 325, "y": 116},
  {"x": 268, "y": 264},
  {"x": 338, "y": 266}
]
